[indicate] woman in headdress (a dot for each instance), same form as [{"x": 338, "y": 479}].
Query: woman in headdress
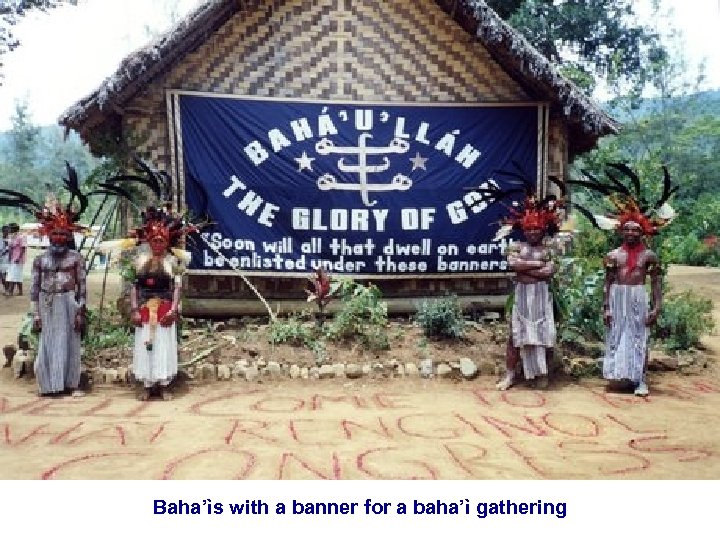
[{"x": 155, "y": 300}]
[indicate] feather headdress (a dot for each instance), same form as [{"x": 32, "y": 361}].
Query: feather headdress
[
  {"x": 532, "y": 213},
  {"x": 628, "y": 201},
  {"x": 52, "y": 215},
  {"x": 157, "y": 220}
]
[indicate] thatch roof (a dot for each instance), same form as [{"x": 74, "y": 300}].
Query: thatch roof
[{"x": 99, "y": 113}]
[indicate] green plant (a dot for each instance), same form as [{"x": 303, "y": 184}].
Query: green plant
[
  {"x": 319, "y": 349},
  {"x": 684, "y": 319},
  {"x": 589, "y": 242},
  {"x": 292, "y": 331},
  {"x": 126, "y": 264},
  {"x": 26, "y": 334},
  {"x": 105, "y": 332},
  {"x": 362, "y": 315},
  {"x": 689, "y": 249},
  {"x": 578, "y": 294},
  {"x": 441, "y": 317}
]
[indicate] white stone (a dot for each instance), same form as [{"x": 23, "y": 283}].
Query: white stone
[
  {"x": 224, "y": 373},
  {"x": 327, "y": 371},
  {"x": 468, "y": 369},
  {"x": 353, "y": 371},
  {"x": 444, "y": 370},
  {"x": 274, "y": 369},
  {"x": 426, "y": 367},
  {"x": 111, "y": 375},
  {"x": 251, "y": 373},
  {"x": 339, "y": 370}
]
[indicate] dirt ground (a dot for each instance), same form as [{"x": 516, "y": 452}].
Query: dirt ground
[{"x": 369, "y": 428}]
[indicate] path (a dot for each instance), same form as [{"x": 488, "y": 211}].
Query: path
[{"x": 367, "y": 428}]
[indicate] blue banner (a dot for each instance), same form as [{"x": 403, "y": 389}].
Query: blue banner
[{"x": 360, "y": 189}]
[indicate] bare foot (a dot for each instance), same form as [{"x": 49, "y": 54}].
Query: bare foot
[
  {"x": 144, "y": 394},
  {"x": 166, "y": 394}
]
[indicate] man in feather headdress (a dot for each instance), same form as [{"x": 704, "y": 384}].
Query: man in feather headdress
[
  {"x": 532, "y": 326},
  {"x": 58, "y": 295},
  {"x": 626, "y": 311}
]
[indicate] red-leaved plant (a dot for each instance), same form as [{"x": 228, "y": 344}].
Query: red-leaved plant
[{"x": 319, "y": 292}]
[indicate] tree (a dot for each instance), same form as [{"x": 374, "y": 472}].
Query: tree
[
  {"x": 17, "y": 167},
  {"x": 24, "y": 137},
  {"x": 11, "y": 11},
  {"x": 588, "y": 39}
]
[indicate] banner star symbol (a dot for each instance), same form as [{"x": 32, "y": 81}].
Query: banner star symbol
[
  {"x": 418, "y": 162},
  {"x": 304, "y": 162}
]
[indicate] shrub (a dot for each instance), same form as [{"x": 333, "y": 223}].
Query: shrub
[
  {"x": 105, "y": 333},
  {"x": 684, "y": 319},
  {"x": 292, "y": 331},
  {"x": 362, "y": 316},
  {"x": 689, "y": 249},
  {"x": 441, "y": 317},
  {"x": 578, "y": 295}
]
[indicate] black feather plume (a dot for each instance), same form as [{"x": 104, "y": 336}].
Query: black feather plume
[
  {"x": 73, "y": 186},
  {"x": 585, "y": 212},
  {"x": 146, "y": 181},
  {"x": 19, "y": 200},
  {"x": 668, "y": 189},
  {"x": 627, "y": 171},
  {"x": 605, "y": 189},
  {"x": 108, "y": 188},
  {"x": 150, "y": 175}
]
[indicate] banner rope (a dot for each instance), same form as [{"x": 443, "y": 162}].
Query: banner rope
[{"x": 245, "y": 279}]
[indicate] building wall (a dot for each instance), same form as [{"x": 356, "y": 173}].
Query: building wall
[{"x": 371, "y": 50}]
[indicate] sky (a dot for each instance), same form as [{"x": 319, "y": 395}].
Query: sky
[{"x": 66, "y": 53}]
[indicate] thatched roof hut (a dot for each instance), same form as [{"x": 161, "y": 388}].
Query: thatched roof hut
[
  {"x": 102, "y": 110},
  {"x": 429, "y": 52}
]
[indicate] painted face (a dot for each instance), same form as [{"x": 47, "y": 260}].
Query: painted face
[
  {"x": 59, "y": 240},
  {"x": 59, "y": 237},
  {"x": 534, "y": 236},
  {"x": 631, "y": 232},
  {"x": 158, "y": 245}
]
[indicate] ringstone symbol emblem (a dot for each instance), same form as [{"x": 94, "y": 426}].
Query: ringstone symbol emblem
[{"x": 328, "y": 182}]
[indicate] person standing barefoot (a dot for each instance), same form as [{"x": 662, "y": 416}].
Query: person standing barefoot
[{"x": 532, "y": 324}]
